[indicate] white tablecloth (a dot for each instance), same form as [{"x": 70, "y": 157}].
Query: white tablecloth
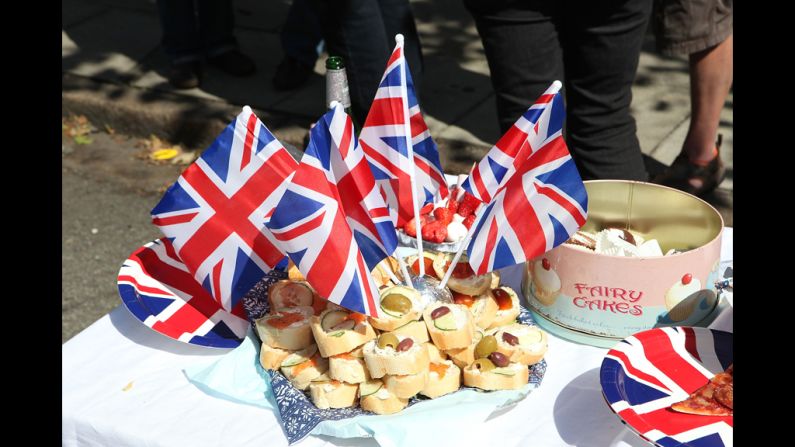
[{"x": 123, "y": 386}]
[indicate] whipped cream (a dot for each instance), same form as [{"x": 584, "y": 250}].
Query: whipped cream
[{"x": 455, "y": 230}]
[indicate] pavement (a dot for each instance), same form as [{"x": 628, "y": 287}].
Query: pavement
[{"x": 114, "y": 74}]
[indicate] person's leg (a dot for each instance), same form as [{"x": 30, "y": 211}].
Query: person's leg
[
  {"x": 301, "y": 41},
  {"x": 522, "y": 50},
  {"x": 354, "y": 29},
  {"x": 181, "y": 41},
  {"x": 601, "y": 49},
  {"x": 399, "y": 19},
  {"x": 216, "y": 28},
  {"x": 710, "y": 81}
]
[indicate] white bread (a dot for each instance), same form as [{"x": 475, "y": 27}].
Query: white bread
[
  {"x": 491, "y": 380},
  {"x": 506, "y": 316},
  {"x": 484, "y": 309},
  {"x": 443, "y": 378},
  {"x": 460, "y": 337},
  {"x": 531, "y": 347},
  {"x": 380, "y": 272},
  {"x": 348, "y": 367},
  {"x": 337, "y": 341},
  {"x": 293, "y": 293},
  {"x": 406, "y": 386},
  {"x": 293, "y": 337},
  {"x": 381, "y": 362},
  {"x": 463, "y": 357},
  {"x": 333, "y": 394},
  {"x": 473, "y": 285},
  {"x": 435, "y": 354},
  {"x": 301, "y": 374},
  {"x": 382, "y": 401},
  {"x": 495, "y": 279},
  {"x": 387, "y": 322},
  {"x": 415, "y": 329},
  {"x": 270, "y": 357}
]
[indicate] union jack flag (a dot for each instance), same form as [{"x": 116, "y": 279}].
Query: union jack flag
[
  {"x": 216, "y": 211},
  {"x": 643, "y": 375},
  {"x": 332, "y": 220},
  {"x": 537, "y": 209},
  {"x": 383, "y": 138},
  {"x": 528, "y": 133},
  {"x": 156, "y": 286}
]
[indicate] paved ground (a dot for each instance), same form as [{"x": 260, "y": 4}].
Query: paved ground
[{"x": 113, "y": 72}]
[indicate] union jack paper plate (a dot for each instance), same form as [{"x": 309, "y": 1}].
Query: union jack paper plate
[
  {"x": 156, "y": 287},
  {"x": 647, "y": 372}
]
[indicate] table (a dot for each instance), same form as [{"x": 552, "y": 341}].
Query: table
[{"x": 123, "y": 386}]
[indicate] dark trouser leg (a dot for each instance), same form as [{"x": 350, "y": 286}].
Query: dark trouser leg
[
  {"x": 399, "y": 19},
  {"x": 357, "y": 31},
  {"x": 601, "y": 47},
  {"x": 216, "y": 26},
  {"x": 300, "y": 35},
  {"x": 181, "y": 41}
]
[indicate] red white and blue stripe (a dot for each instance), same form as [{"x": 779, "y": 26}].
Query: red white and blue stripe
[
  {"x": 216, "y": 211},
  {"x": 332, "y": 220},
  {"x": 157, "y": 288},
  {"x": 643, "y": 375},
  {"x": 542, "y": 122},
  {"x": 539, "y": 208},
  {"x": 383, "y": 138}
]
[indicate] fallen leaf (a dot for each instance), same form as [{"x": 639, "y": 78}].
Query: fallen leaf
[
  {"x": 109, "y": 129},
  {"x": 83, "y": 139},
  {"x": 128, "y": 386},
  {"x": 164, "y": 154}
]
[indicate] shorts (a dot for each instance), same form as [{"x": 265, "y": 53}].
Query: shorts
[{"x": 690, "y": 26}]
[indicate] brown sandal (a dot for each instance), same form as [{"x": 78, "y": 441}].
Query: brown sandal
[{"x": 692, "y": 178}]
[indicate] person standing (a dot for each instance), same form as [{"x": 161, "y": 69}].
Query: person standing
[
  {"x": 702, "y": 30},
  {"x": 593, "y": 48},
  {"x": 200, "y": 29}
]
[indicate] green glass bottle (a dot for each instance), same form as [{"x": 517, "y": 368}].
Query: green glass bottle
[{"x": 337, "y": 85}]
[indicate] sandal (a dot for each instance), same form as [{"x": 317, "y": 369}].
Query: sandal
[{"x": 692, "y": 178}]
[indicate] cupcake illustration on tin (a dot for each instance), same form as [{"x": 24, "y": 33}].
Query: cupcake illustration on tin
[
  {"x": 682, "y": 297},
  {"x": 546, "y": 283}
]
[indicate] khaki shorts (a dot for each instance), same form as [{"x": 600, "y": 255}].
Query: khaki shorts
[{"x": 690, "y": 26}]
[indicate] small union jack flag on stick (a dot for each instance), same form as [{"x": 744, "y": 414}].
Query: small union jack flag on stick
[
  {"x": 332, "y": 220},
  {"x": 215, "y": 213}
]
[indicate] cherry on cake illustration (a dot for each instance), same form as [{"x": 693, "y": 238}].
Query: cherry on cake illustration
[
  {"x": 682, "y": 297},
  {"x": 546, "y": 282}
]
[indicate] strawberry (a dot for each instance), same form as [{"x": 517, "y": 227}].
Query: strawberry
[
  {"x": 469, "y": 221},
  {"x": 426, "y": 209},
  {"x": 411, "y": 226},
  {"x": 443, "y": 214},
  {"x": 468, "y": 205},
  {"x": 452, "y": 204},
  {"x": 434, "y": 231}
]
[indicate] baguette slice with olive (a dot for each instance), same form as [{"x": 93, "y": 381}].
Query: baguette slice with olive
[
  {"x": 395, "y": 355},
  {"x": 450, "y": 325},
  {"x": 483, "y": 374},
  {"x": 399, "y": 305},
  {"x": 521, "y": 343}
]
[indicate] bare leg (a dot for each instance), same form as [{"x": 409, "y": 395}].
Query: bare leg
[{"x": 710, "y": 80}]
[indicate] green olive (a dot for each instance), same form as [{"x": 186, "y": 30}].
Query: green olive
[
  {"x": 485, "y": 347},
  {"x": 388, "y": 339},
  {"x": 396, "y": 303},
  {"x": 483, "y": 365}
]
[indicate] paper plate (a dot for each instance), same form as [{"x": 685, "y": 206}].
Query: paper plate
[
  {"x": 156, "y": 287},
  {"x": 647, "y": 372}
]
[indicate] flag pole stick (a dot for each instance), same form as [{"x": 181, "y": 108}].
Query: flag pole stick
[
  {"x": 391, "y": 274},
  {"x": 404, "y": 271},
  {"x": 464, "y": 243},
  {"x": 410, "y": 147}
]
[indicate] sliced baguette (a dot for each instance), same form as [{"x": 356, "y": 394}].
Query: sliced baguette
[
  {"x": 505, "y": 316},
  {"x": 406, "y": 386},
  {"x": 381, "y": 362},
  {"x": 293, "y": 337},
  {"x": 434, "y": 353},
  {"x": 443, "y": 378},
  {"x": 473, "y": 285},
  {"x": 333, "y": 394},
  {"x": 493, "y": 380},
  {"x": 415, "y": 329},
  {"x": 458, "y": 335},
  {"x": 301, "y": 374},
  {"x": 389, "y": 319},
  {"x": 294, "y": 293},
  {"x": 338, "y": 339},
  {"x": 381, "y": 271},
  {"x": 463, "y": 357},
  {"x": 531, "y": 347},
  {"x": 270, "y": 357},
  {"x": 381, "y": 401},
  {"x": 348, "y": 367}
]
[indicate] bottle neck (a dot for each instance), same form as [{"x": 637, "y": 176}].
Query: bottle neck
[{"x": 337, "y": 88}]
